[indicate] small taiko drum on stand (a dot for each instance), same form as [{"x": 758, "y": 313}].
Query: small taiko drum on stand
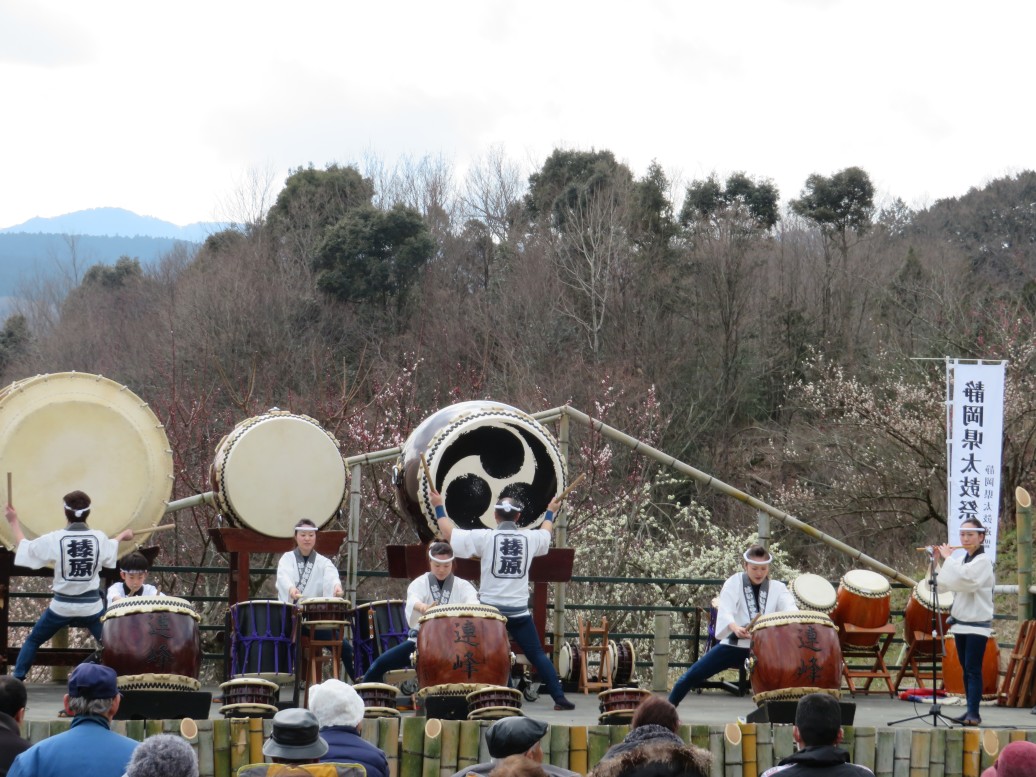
[
  {"x": 463, "y": 643},
  {"x": 864, "y": 601},
  {"x": 274, "y": 466},
  {"x": 377, "y": 627},
  {"x": 953, "y": 674},
  {"x": 570, "y": 661},
  {"x": 623, "y": 661},
  {"x": 478, "y": 452},
  {"x": 324, "y": 611},
  {"x": 617, "y": 705},
  {"x": 379, "y": 699},
  {"x": 793, "y": 654},
  {"x": 492, "y": 702},
  {"x": 152, "y": 643},
  {"x": 262, "y": 644},
  {"x": 711, "y": 640},
  {"x": 925, "y": 613},
  {"x": 249, "y": 697},
  {"x": 76, "y": 430},
  {"x": 814, "y": 593}
]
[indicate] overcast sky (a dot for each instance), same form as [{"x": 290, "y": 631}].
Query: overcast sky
[{"x": 166, "y": 108}]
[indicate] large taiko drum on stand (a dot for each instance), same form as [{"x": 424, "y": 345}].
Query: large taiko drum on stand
[
  {"x": 274, "y": 468},
  {"x": 921, "y": 611},
  {"x": 814, "y": 593},
  {"x": 73, "y": 430},
  {"x": 793, "y": 654},
  {"x": 463, "y": 644},
  {"x": 152, "y": 642},
  {"x": 953, "y": 673},
  {"x": 478, "y": 452},
  {"x": 864, "y": 601}
]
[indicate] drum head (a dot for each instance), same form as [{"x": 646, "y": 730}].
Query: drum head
[
  {"x": 74, "y": 431},
  {"x": 812, "y": 592},
  {"x": 866, "y": 582},
  {"x": 923, "y": 592},
  {"x": 275, "y": 468}
]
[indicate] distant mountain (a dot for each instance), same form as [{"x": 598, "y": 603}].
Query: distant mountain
[{"x": 116, "y": 222}]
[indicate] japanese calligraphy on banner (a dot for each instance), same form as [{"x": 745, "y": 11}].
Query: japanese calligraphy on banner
[{"x": 976, "y": 426}]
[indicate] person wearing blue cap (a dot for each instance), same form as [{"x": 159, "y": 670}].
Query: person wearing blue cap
[
  {"x": 513, "y": 736},
  {"x": 506, "y": 554},
  {"x": 89, "y": 746}
]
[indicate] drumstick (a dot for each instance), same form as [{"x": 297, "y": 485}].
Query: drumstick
[
  {"x": 153, "y": 529},
  {"x": 573, "y": 484},
  {"x": 10, "y": 502},
  {"x": 427, "y": 472}
]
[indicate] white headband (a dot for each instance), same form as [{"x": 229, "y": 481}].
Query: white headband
[
  {"x": 440, "y": 560},
  {"x": 507, "y": 507},
  {"x": 760, "y": 562},
  {"x": 304, "y": 527},
  {"x": 77, "y": 513}
]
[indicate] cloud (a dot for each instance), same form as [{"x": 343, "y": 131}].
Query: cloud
[{"x": 30, "y": 35}]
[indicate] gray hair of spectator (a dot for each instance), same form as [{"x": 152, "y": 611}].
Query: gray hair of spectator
[
  {"x": 12, "y": 694},
  {"x": 163, "y": 755},
  {"x": 80, "y": 705}
]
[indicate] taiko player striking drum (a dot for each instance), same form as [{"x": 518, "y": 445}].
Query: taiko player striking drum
[
  {"x": 972, "y": 579},
  {"x": 744, "y": 597},
  {"x": 303, "y": 573},
  {"x": 78, "y": 553},
  {"x": 506, "y": 554}
]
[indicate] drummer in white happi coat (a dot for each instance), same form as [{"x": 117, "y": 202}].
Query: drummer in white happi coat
[
  {"x": 78, "y": 553},
  {"x": 744, "y": 597},
  {"x": 438, "y": 586},
  {"x": 305, "y": 574}
]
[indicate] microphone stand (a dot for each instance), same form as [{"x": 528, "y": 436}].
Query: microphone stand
[{"x": 938, "y": 636}]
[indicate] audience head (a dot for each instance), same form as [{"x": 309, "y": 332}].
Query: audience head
[
  {"x": 658, "y": 711},
  {"x": 516, "y": 736},
  {"x": 336, "y": 704},
  {"x": 517, "y": 766},
  {"x": 818, "y": 720},
  {"x": 1018, "y": 759},
  {"x": 163, "y": 755},
  {"x": 12, "y": 696},
  {"x": 92, "y": 690},
  {"x": 296, "y": 738}
]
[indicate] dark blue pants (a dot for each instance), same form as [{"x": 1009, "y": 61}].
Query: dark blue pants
[
  {"x": 971, "y": 648},
  {"x": 722, "y": 656},
  {"x": 393, "y": 658},
  {"x": 523, "y": 631}
]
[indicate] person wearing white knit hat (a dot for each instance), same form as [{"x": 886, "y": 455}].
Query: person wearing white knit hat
[{"x": 339, "y": 710}]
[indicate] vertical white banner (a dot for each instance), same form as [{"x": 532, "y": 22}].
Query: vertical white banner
[{"x": 976, "y": 394}]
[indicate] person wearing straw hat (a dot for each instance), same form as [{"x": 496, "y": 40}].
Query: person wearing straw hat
[
  {"x": 89, "y": 746},
  {"x": 303, "y": 573},
  {"x": 744, "y": 597},
  {"x": 339, "y": 710},
  {"x": 78, "y": 553},
  {"x": 438, "y": 586},
  {"x": 506, "y": 554}
]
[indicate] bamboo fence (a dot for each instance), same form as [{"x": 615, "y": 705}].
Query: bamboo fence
[{"x": 419, "y": 748}]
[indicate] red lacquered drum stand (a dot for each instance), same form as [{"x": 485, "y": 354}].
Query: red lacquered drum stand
[
  {"x": 935, "y": 712},
  {"x": 239, "y": 544}
]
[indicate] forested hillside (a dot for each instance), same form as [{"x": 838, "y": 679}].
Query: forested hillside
[{"x": 795, "y": 353}]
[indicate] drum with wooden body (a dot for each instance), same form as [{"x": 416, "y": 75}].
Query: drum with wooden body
[
  {"x": 150, "y": 636},
  {"x": 274, "y": 467},
  {"x": 492, "y": 702},
  {"x": 249, "y": 697},
  {"x": 814, "y": 593},
  {"x": 623, "y": 660},
  {"x": 262, "y": 643},
  {"x": 953, "y": 673},
  {"x": 618, "y": 704},
  {"x": 570, "y": 661},
  {"x": 379, "y": 699},
  {"x": 74, "y": 430},
  {"x": 377, "y": 627},
  {"x": 324, "y": 611},
  {"x": 793, "y": 654},
  {"x": 463, "y": 643},
  {"x": 864, "y": 601},
  {"x": 478, "y": 452},
  {"x": 924, "y": 614}
]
